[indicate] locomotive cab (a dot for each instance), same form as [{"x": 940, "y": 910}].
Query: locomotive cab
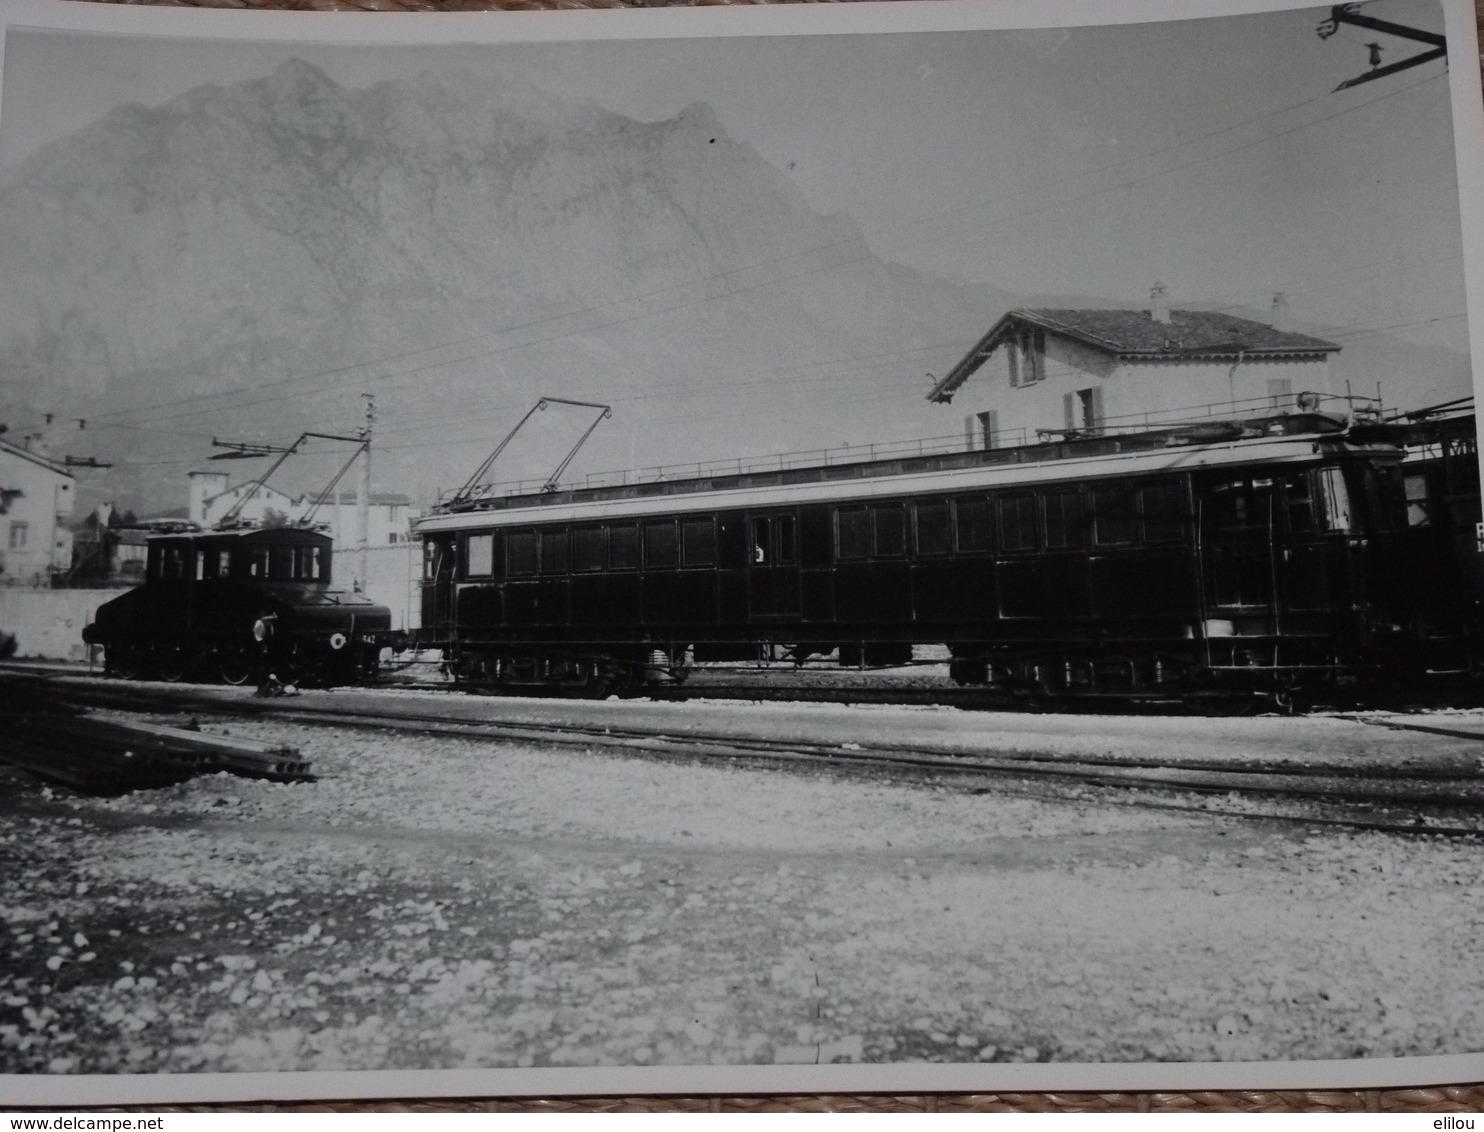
[{"x": 237, "y": 604}]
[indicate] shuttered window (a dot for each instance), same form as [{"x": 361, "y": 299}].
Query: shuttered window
[
  {"x": 934, "y": 532},
  {"x": 1017, "y": 522},
  {"x": 521, "y": 553}
]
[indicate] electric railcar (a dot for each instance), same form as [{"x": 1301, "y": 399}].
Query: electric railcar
[
  {"x": 1264, "y": 557},
  {"x": 239, "y": 605}
]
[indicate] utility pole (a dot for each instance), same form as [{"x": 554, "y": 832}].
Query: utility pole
[{"x": 363, "y": 493}]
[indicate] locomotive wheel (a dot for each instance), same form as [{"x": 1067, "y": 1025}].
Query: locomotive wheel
[
  {"x": 235, "y": 667},
  {"x": 123, "y": 661},
  {"x": 171, "y": 663}
]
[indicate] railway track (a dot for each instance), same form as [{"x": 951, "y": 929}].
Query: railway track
[{"x": 1440, "y": 800}]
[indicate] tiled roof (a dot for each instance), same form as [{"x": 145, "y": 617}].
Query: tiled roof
[
  {"x": 1187, "y": 332},
  {"x": 1134, "y": 334}
]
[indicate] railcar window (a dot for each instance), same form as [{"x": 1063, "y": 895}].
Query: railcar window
[
  {"x": 661, "y": 548},
  {"x": 257, "y": 562},
  {"x": 854, "y": 532},
  {"x": 479, "y": 556},
  {"x": 1017, "y": 522},
  {"x": 587, "y": 550},
  {"x": 788, "y": 552},
  {"x": 934, "y": 535},
  {"x": 623, "y": 547},
  {"x": 1115, "y": 516},
  {"x": 521, "y": 553},
  {"x": 553, "y": 552},
  {"x": 223, "y": 563},
  {"x": 200, "y": 565},
  {"x": 891, "y": 530},
  {"x": 1298, "y": 501},
  {"x": 1163, "y": 505},
  {"x": 1063, "y": 519},
  {"x": 698, "y": 542},
  {"x": 1336, "y": 499},
  {"x": 283, "y": 563},
  {"x": 973, "y": 525},
  {"x": 762, "y": 542},
  {"x": 1419, "y": 506}
]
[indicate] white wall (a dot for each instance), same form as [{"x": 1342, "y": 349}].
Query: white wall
[
  {"x": 45, "y": 496},
  {"x": 1133, "y": 393},
  {"x": 48, "y": 623}
]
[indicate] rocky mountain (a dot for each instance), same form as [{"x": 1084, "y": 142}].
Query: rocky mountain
[{"x": 246, "y": 260}]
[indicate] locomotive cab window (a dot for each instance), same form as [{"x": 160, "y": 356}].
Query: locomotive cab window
[
  {"x": 283, "y": 563},
  {"x": 1298, "y": 503},
  {"x": 257, "y": 562},
  {"x": 479, "y": 556},
  {"x": 312, "y": 564}
]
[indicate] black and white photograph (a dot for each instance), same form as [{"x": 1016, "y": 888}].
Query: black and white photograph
[{"x": 860, "y": 541}]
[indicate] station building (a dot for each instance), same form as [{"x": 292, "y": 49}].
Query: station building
[{"x": 1047, "y": 373}]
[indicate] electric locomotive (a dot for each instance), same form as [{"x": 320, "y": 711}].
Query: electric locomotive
[
  {"x": 1269, "y": 557},
  {"x": 239, "y": 605}
]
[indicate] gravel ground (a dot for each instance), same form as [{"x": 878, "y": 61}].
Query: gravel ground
[{"x": 436, "y": 903}]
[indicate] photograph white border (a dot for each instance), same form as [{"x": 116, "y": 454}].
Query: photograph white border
[{"x": 764, "y": 20}]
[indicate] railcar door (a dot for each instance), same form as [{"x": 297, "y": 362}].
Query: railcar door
[
  {"x": 437, "y": 587},
  {"x": 773, "y": 573},
  {"x": 1237, "y": 516}
]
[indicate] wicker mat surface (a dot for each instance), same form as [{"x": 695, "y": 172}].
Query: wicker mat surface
[{"x": 1455, "y": 1098}]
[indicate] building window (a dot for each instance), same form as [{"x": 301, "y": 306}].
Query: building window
[
  {"x": 18, "y": 534},
  {"x": 988, "y": 432},
  {"x": 1027, "y": 354},
  {"x": 1083, "y": 411}
]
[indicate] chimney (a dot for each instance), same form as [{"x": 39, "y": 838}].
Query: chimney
[
  {"x": 1279, "y": 319},
  {"x": 1159, "y": 303}
]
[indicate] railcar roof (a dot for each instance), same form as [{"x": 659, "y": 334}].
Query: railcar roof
[
  {"x": 250, "y": 535},
  {"x": 1070, "y": 457}
]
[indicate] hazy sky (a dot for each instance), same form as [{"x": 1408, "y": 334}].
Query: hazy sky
[{"x": 1212, "y": 151}]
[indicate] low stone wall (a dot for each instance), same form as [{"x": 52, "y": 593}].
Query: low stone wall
[{"x": 48, "y": 623}]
